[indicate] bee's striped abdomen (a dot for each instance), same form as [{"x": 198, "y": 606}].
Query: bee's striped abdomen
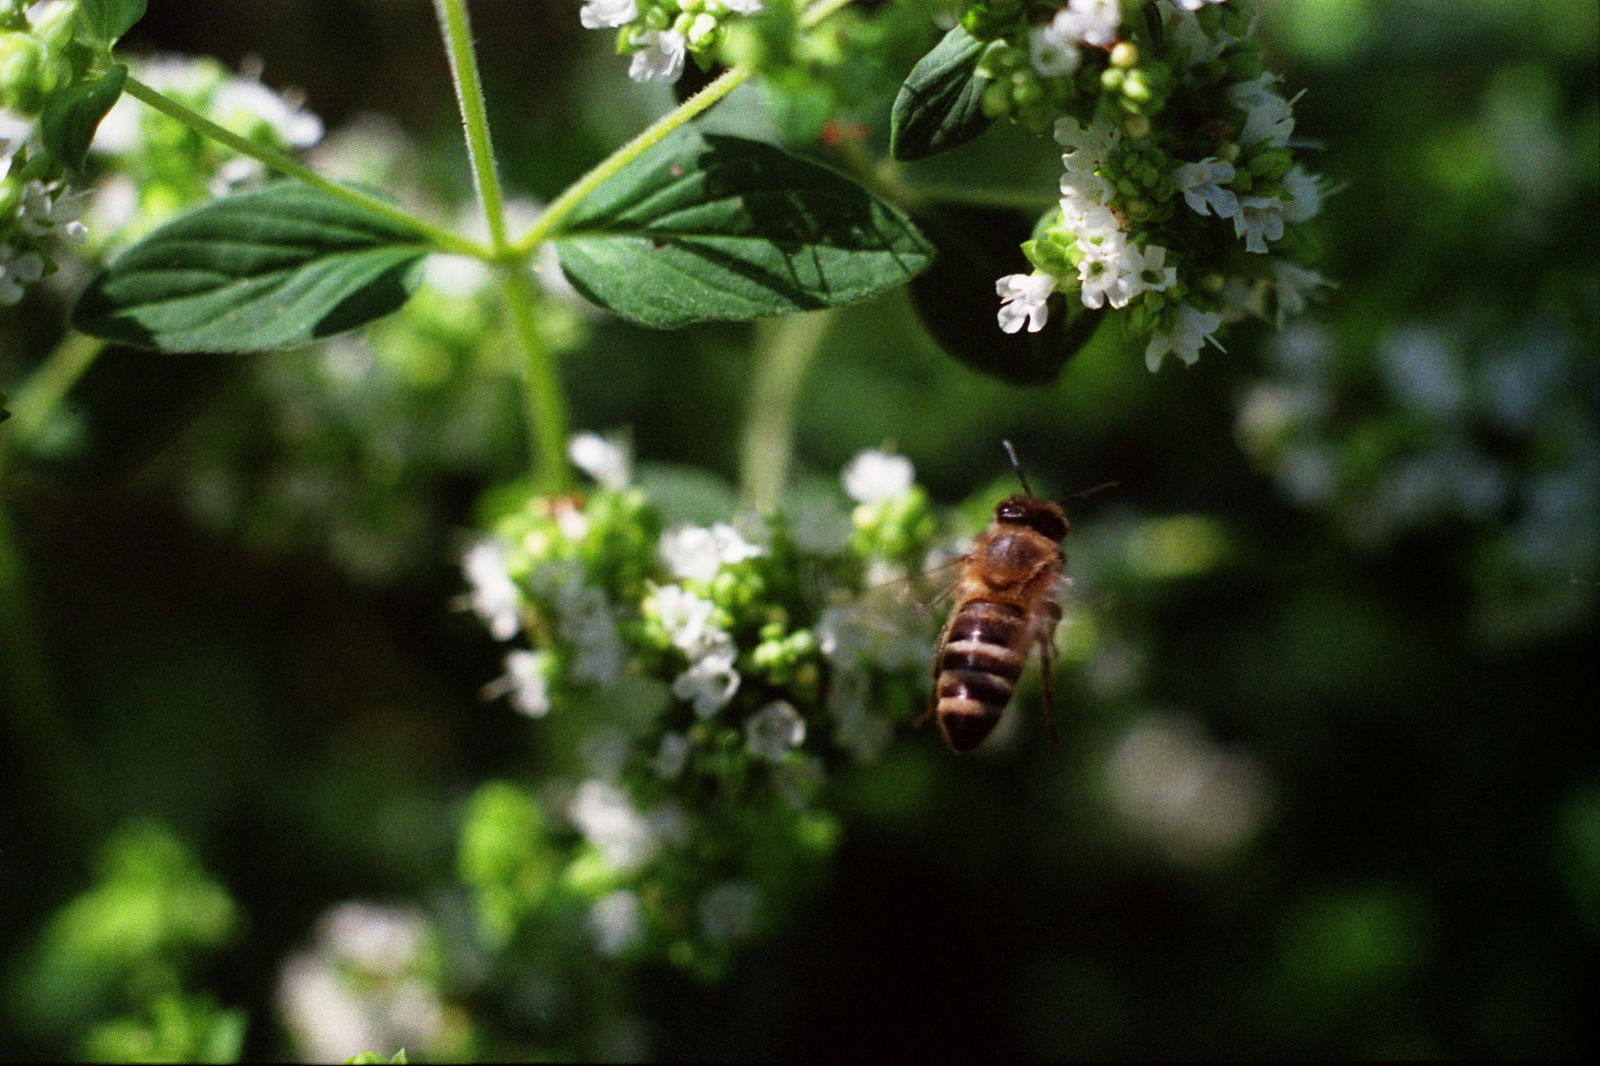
[{"x": 977, "y": 669}]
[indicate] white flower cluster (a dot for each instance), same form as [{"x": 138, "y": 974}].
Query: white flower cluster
[
  {"x": 368, "y": 984},
  {"x": 662, "y": 34},
  {"x": 33, "y": 211},
  {"x": 1116, "y": 263}
]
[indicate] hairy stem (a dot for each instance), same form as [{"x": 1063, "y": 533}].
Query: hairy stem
[
  {"x": 474, "y": 118},
  {"x": 441, "y": 238}
]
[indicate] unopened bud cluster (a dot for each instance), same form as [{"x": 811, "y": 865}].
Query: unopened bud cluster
[
  {"x": 1181, "y": 194},
  {"x": 659, "y": 35}
]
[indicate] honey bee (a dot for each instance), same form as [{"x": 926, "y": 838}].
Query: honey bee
[{"x": 1005, "y": 602}]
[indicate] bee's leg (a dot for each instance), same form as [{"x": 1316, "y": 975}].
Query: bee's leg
[{"x": 1047, "y": 658}]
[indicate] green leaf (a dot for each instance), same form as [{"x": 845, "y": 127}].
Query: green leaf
[
  {"x": 107, "y": 20},
  {"x": 71, "y": 116},
  {"x": 957, "y": 303},
  {"x": 940, "y": 106},
  {"x": 270, "y": 269},
  {"x": 712, "y": 227}
]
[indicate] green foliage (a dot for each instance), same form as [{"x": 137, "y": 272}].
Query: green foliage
[
  {"x": 940, "y": 105},
  {"x": 111, "y": 964},
  {"x": 106, "y": 21},
  {"x": 69, "y": 119},
  {"x": 712, "y": 227},
  {"x": 271, "y": 269}
]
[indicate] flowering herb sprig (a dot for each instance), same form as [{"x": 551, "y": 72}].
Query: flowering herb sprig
[
  {"x": 659, "y": 35},
  {"x": 1181, "y": 195},
  {"x": 717, "y": 685}
]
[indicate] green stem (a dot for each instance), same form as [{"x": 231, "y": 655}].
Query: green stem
[
  {"x": 550, "y": 222},
  {"x": 789, "y": 346},
  {"x": 49, "y": 382},
  {"x": 545, "y": 402},
  {"x": 562, "y": 206},
  {"x": 441, "y": 238},
  {"x": 474, "y": 117}
]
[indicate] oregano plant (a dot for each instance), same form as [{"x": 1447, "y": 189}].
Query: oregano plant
[{"x": 704, "y": 674}]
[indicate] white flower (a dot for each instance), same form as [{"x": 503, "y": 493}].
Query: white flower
[
  {"x": 1305, "y": 194},
  {"x": 661, "y": 56},
  {"x": 1090, "y": 21},
  {"x": 237, "y": 101},
  {"x": 709, "y": 683},
  {"x": 1295, "y": 285},
  {"x": 672, "y": 756},
  {"x": 46, "y": 209},
  {"x": 686, "y": 618},
  {"x": 740, "y": 7},
  {"x": 1268, "y": 116},
  {"x": 494, "y": 597},
  {"x": 1260, "y": 219},
  {"x": 17, "y": 269},
  {"x": 1023, "y": 300},
  {"x": 1053, "y": 54},
  {"x": 874, "y": 476},
  {"x": 597, "y": 14},
  {"x": 774, "y": 731},
  {"x": 616, "y": 921},
  {"x": 1202, "y": 187},
  {"x": 526, "y": 681},
  {"x": 1148, "y": 270},
  {"x": 1168, "y": 781},
  {"x": 1191, "y": 330},
  {"x": 608, "y": 819},
  {"x": 693, "y": 552},
  {"x": 1196, "y": 5},
  {"x": 728, "y": 911},
  {"x": 602, "y": 458},
  {"x": 1105, "y": 272}
]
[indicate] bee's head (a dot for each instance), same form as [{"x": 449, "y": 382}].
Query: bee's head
[{"x": 1041, "y": 516}]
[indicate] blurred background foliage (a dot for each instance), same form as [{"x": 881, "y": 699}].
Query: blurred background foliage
[{"x": 1330, "y": 779}]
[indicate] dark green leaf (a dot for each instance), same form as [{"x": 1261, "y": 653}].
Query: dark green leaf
[
  {"x": 957, "y": 302},
  {"x": 940, "y": 105},
  {"x": 268, "y": 269},
  {"x": 712, "y": 227},
  {"x": 72, "y": 115},
  {"x": 107, "y": 20}
]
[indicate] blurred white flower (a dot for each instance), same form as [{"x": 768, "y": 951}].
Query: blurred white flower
[
  {"x": 696, "y": 553},
  {"x": 709, "y": 683},
  {"x": 1170, "y": 783},
  {"x": 609, "y": 820},
  {"x": 366, "y": 985},
  {"x": 494, "y": 596},
  {"x": 661, "y": 55},
  {"x": 606, "y": 459},
  {"x": 616, "y": 922},
  {"x": 597, "y": 14},
  {"x": 671, "y": 756},
  {"x": 728, "y": 911},
  {"x": 774, "y": 731},
  {"x": 875, "y": 476}
]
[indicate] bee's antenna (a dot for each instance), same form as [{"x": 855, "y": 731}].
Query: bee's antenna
[
  {"x": 1017, "y": 467},
  {"x": 1098, "y": 488}
]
